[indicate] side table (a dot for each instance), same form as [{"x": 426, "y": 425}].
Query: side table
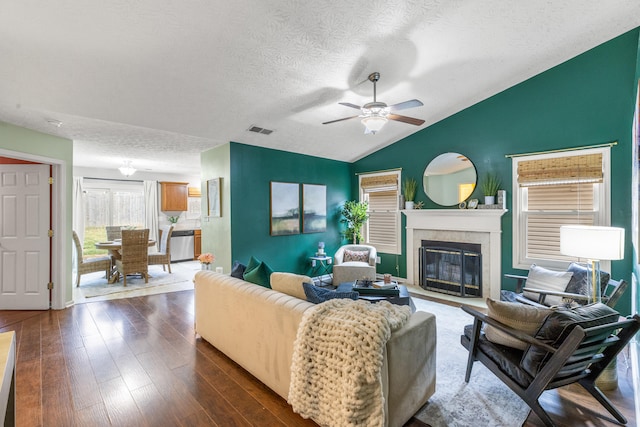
[{"x": 321, "y": 266}]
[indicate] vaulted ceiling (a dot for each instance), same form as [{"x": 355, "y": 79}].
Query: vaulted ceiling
[{"x": 158, "y": 81}]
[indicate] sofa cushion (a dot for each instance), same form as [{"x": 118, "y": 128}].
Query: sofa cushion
[
  {"x": 548, "y": 280},
  {"x": 580, "y": 282},
  {"x": 523, "y": 317},
  {"x": 316, "y": 294},
  {"x": 258, "y": 272},
  {"x": 360, "y": 256},
  {"x": 559, "y": 324},
  {"x": 290, "y": 284},
  {"x": 237, "y": 270}
]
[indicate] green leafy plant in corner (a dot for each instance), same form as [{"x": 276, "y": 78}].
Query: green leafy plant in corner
[
  {"x": 409, "y": 187},
  {"x": 355, "y": 215},
  {"x": 491, "y": 184}
]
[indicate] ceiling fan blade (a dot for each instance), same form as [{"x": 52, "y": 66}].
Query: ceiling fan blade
[
  {"x": 405, "y": 119},
  {"x": 339, "y": 120},
  {"x": 406, "y": 104},
  {"x": 348, "y": 104}
]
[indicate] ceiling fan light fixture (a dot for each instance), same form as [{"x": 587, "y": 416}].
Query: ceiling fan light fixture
[
  {"x": 126, "y": 169},
  {"x": 374, "y": 123}
]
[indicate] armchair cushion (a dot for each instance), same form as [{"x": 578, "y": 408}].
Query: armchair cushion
[
  {"x": 360, "y": 256},
  {"x": 580, "y": 282},
  {"x": 559, "y": 324},
  {"x": 543, "y": 279},
  {"x": 523, "y": 317},
  {"x": 508, "y": 358}
]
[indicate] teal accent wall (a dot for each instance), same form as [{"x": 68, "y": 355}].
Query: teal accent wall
[
  {"x": 584, "y": 101},
  {"x": 21, "y": 140},
  {"x": 252, "y": 170}
]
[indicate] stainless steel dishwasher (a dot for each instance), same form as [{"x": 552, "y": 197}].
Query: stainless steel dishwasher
[{"x": 182, "y": 245}]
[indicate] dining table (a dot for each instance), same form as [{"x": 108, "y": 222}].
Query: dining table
[{"x": 114, "y": 247}]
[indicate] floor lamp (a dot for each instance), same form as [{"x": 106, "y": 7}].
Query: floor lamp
[{"x": 595, "y": 244}]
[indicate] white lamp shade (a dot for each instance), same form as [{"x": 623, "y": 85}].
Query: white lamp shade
[
  {"x": 374, "y": 123},
  {"x": 592, "y": 242}
]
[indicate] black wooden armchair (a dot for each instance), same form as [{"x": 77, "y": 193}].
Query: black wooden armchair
[
  {"x": 580, "y": 357},
  {"x": 611, "y": 293}
]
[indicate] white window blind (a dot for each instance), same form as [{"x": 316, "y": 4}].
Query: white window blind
[
  {"x": 552, "y": 190},
  {"x": 382, "y": 229}
]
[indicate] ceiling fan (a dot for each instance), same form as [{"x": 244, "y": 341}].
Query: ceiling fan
[{"x": 376, "y": 114}]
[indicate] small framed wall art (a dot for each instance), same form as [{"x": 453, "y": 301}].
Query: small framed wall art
[
  {"x": 214, "y": 199},
  {"x": 285, "y": 208},
  {"x": 314, "y": 208}
]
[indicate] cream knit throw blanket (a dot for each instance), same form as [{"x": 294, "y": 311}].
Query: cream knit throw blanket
[{"x": 337, "y": 359}]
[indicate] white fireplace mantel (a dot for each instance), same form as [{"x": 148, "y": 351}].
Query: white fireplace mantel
[{"x": 482, "y": 226}]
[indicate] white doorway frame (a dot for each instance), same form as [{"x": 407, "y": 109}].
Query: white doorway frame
[{"x": 58, "y": 243}]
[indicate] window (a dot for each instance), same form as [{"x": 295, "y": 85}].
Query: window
[
  {"x": 381, "y": 192},
  {"x": 555, "y": 189},
  {"x": 110, "y": 202}
]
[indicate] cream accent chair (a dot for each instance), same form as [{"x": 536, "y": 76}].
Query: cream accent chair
[{"x": 350, "y": 271}]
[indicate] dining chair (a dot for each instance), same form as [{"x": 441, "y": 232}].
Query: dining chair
[
  {"x": 163, "y": 257},
  {"x": 134, "y": 254},
  {"x": 89, "y": 265},
  {"x": 113, "y": 232}
]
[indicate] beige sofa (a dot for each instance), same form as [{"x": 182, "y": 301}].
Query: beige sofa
[{"x": 256, "y": 327}]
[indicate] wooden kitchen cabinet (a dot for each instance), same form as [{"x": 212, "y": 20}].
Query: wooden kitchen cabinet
[
  {"x": 197, "y": 243},
  {"x": 174, "y": 196}
]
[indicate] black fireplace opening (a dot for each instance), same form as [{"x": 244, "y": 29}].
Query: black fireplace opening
[{"x": 451, "y": 267}]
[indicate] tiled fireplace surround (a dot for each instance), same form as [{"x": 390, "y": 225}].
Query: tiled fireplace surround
[{"x": 480, "y": 226}]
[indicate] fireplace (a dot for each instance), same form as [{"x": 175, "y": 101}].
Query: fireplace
[
  {"x": 477, "y": 226},
  {"x": 450, "y": 267}
]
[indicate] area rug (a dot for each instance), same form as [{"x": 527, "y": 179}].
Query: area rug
[
  {"x": 95, "y": 286},
  {"x": 484, "y": 401}
]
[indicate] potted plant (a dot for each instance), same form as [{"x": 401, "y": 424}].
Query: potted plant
[
  {"x": 409, "y": 187},
  {"x": 355, "y": 215},
  {"x": 490, "y": 185}
]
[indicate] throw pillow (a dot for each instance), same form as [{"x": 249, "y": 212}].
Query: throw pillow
[
  {"x": 237, "y": 270},
  {"x": 290, "y": 284},
  {"x": 523, "y": 317},
  {"x": 253, "y": 263},
  {"x": 316, "y": 294},
  {"x": 558, "y": 325},
  {"x": 258, "y": 273},
  {"x": 580, "y": 282},
  {"x": 548, "y": 280},
  {"x": 362, "y": 256}
]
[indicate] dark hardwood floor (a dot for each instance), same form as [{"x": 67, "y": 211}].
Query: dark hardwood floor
[{"x": 136, "y": 362}]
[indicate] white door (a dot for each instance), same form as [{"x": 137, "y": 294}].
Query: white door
[{"x": 24, "y": 237}]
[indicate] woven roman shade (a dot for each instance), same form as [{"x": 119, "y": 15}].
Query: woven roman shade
[
  {"x": 581, "y": 168},
  {"x": 379, "y": 182}
]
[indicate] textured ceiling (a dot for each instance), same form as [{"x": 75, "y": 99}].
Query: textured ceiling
[{"x": 159, "y": 81}]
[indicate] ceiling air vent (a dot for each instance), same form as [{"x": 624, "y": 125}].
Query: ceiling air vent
[{"x": 257, "y": 129}]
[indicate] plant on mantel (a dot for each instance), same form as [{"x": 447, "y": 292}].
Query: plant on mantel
[
  {"x": 409, "y": 187},
  {"x": 490, "y": 186}
]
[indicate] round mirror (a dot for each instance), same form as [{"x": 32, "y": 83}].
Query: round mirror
[{"x": 449, "y": 179}]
